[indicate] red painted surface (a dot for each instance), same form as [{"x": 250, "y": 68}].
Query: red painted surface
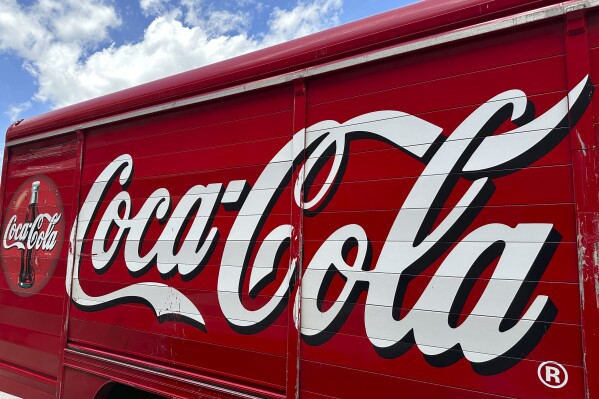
[
  {"x": 582, "y": 34},
  {"x": 203, "y": 234}
]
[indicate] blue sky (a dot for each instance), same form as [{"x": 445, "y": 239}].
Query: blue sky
[{"x": 57, "y": 52}]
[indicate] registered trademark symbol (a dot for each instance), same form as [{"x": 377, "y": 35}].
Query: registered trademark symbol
[{"x": 552, "y": 374}]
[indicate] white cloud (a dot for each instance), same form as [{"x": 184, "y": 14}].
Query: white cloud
[
  {"x": 18, "y": 32},
  {"x": 15, "y": 110},
  {"x": 60, "y": 41},
  {"x": 82, "y": 21},
  {"x": 219, "y": 22},
  {"x": 304, "y": 19},
  {"x": 52, "y": 37},
  {"x": 153, "y": 7},
  {"x": 168, "y": 47},
  {"x": 30, "y": 31}
]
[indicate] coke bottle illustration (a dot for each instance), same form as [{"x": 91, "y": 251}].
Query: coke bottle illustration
[{"x": 27, "y": 273}]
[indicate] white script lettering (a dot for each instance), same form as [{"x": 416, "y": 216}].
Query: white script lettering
[
  {"x": 416, "y": 239},
  {"x": 32, "y": 235}
]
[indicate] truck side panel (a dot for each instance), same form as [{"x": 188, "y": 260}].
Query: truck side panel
[
  {"x": 205, "y": 147},
  {"x": 443, "y": 86},
  {"x": 417, "y": 225},
  {"x": 32, "y": 318}
]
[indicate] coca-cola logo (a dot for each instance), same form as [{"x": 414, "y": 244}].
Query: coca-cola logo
[
  {"x": 32, "y": 235},
  {"x": 473, "y": 150}
]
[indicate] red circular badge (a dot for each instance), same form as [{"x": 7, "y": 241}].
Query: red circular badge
[{"x": 32, "y": 235}]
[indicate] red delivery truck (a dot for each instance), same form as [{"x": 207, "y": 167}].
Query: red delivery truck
[{"x": 405, "y": 206}]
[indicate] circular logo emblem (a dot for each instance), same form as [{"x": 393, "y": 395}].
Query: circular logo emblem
[{"x": 32, "y": 235}]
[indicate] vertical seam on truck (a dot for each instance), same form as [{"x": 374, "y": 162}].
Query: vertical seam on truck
[
  {"x": 584, "y": 185},
  {"x": 67, "y": 301},
  {"x": 296, "y": 244}
]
